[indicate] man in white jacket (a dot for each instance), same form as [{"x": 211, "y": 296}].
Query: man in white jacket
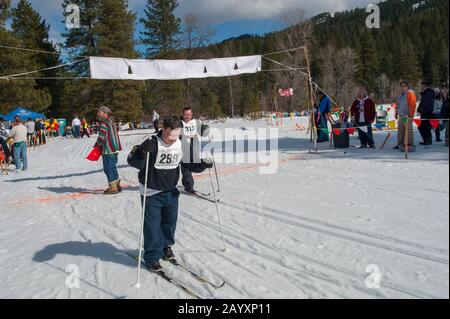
[
  {"x": 19, "y": 135},
  {"x": 76, "y": 125}
]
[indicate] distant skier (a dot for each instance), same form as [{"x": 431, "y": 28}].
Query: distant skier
[
  {"x": 161, "y": 209},
  {"x": 191, "y": 132}
]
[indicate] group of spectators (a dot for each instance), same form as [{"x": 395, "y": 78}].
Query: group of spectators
[
  {"x": 79, "y": 129},
  {"x": 433, "y": 110}
]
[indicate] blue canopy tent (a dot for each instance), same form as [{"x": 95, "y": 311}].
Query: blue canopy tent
[{"x": 24, "y": 114}]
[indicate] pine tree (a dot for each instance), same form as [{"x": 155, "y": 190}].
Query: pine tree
[
  {"x": 108, "y": 31},
  {"x": 15, "y": 92},
  {"x": 407, "y": 63},
  {"x": 209, "y": 104},
  {"x": 249, "y": 102},
  {"x": 4, "y": 7},
  {"x": 115, "y": 31},
  {"x": 82, "y": 41},
  {"x": 33, "y": 32},
  {"x": 160, "y": 27},
  {"x": 368, "y": 63}
]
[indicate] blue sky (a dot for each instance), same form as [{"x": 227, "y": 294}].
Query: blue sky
[{"x": 229, "y": 18}]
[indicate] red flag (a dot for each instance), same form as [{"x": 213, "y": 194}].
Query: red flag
[
  {"x": 418, "y": 122},
  {"x": 337, "y": 131},
  {"x": 351, "y": 130},
  {"x": 286, "y": 92},
  {"x": 95, "y": 155},
  {"x": 435, "y": 123}
]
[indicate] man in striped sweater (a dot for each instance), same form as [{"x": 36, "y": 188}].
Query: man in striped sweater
[{"x": 109, "y": 143}]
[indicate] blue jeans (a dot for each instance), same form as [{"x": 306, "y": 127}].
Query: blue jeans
[
  {"x": 77, "y": 130},
  {"x": 110, "y": 167},
  {"x": 20, "y": 154},
  {"x": 366, "y": 138},
  {"x": 160, "y": 223}
]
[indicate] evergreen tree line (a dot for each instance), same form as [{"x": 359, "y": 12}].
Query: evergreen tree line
[{"x": 412, "y": 44}]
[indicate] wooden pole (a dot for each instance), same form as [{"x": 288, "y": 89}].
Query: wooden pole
[
  {"x": 231, "y": 96},
  {"x": 276, "y": 103},
  {"x": 407, "y": 138},
  {"x": 312, "y": 101},
  {"x": 386, "y": 140}
]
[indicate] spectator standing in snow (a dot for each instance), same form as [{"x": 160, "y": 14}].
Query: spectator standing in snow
[
  {"x": 438, "y": 101},
  {"x": 85, "y": 128},
  {"x": 323, "y": 116},
  {"x": 19, "y": 134},
  {"x": 109, "y": 143},
  {"x": 425, "y": 109},
  {"x": 363, "y": 113},
  {"x": 3, "y": 138},
  {"x": 40, "y": 132},
  {"x": 30, "y": 125},
  {"x": 406, "y": 108},
  {"x": 445, "y": 115},
  {"x": 76, "y": 125}
]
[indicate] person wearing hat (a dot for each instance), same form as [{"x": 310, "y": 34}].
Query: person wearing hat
[{"x": 109, "y": 143}]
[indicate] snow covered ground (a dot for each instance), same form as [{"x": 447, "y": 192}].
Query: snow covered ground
[{"x": 327, "y": 225}]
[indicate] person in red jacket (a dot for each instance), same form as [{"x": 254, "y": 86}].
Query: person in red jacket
[{"x": 363, "y": 114}]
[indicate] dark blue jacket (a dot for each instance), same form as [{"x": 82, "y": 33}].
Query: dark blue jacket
[
  {"x": 426, "y": 102},
  {"x": 445, "y": 110}
]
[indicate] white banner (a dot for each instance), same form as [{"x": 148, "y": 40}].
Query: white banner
[{"x": 135, "y": 69}]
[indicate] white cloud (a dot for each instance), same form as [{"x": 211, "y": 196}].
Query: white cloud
[
  {"x": 214, "y": 11},
  {"x": 219, "y": 11}
]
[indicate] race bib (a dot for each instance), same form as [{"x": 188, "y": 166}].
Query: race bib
[
  {"x": 190, "y": 129},
  {"x": 169, "y": 157}
]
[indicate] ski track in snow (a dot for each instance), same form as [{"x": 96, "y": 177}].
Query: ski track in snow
[{"x": 309, "y": 231}]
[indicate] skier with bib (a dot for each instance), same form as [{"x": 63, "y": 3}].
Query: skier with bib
[
  {"x": 161, "y": 208},
  {"x": 191, "y": 132}
]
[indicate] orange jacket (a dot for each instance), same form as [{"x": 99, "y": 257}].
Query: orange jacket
[{"x": 412, "y": 102}]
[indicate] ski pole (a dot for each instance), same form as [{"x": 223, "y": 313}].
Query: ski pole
[
  {"x": 218, "y": 212},
  {"x": 138, "y": 282},
  {"x": 215, "y": 170}
]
